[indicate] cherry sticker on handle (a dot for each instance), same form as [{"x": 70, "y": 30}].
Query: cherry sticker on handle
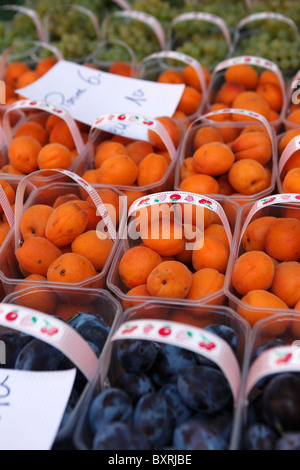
[
  {"x": 183, "y": 197},
  {"x": 277, "y": 360},
  {"x": 43, "y": 106},
  {"x": 101, "y": 209},
  {"x": 53, "y": 331},
  {"x": 188, "y": 337},
  {"x": 128, "y": 118}
]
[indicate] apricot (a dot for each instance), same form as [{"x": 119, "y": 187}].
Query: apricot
[
  {"x": 34, "y": 220},
  {"x": 170, "y": 279},
  {"x": 251, "y": 101},
  {"x": 206, "y": 282},
  {"x": 136, "y": 264},
  {"x": 9, "y": 192},
  {"x": 108, "y": 149},
  {"x": 224, "y": 185},
  {"x": 211, "y": 254},
  {"x": 138, "y": 150},
  {"x": 33, "y": 129},
  {"x": 268, "y": 76},
  {"x": 65, "y": 198},
  {"x": 65, "y": 223},
  {"x": 218, "y": 231},
  {"x": 200, "y": 184},
  {"x": 14, "y": 70},
  {"x": 36, "y": 296},
  {"x": 151, "y": 169},
  {"x": 91, "y": 176},
  {"x": 292, "y": 120},
  {"x": 228, "y": 92},
  {"x": 164, "y": 236},
  {"x": 91, "y": 210},
  {"x": 291, "y": 182},
  {"x": 243, "y": 74},
  {"x": 191, "y": 78},
  {"x": 254, "y": 128},
  {"x": 172, "y": 127},
  {"x": 248, "y": 176},
  {"x": 51, "y": 122},
  {"x": 4, "y": 229},
  {"x": 213, "y": 159},
  {"x": 111, "y": 202},
  {"x": 54, "y": 156},
  {"x": 118, "y": 170},
  {"x": 45, "y": 65},
  {"x": 286, "y": 138},
  {"x": 36, "y": 254},
  {"x": 282, "y": 240},
  {"x": 187, "y": 168},
  {"x": 253, "y": 145},
  {"x": 138, "y": 291},
  {"x": 23, "y": 153},
  {"x": 190, "y": 101},
  {"x": 251, "y": 271},
  {"x": 61, "y": 134},
  {"x": 266, "y": 304},
  {"x": 272, "y": 94},
  {"x": 70, "y": 268},
  {"x": 119, "y": 67},
  {"x": 255, "y": 234},
  {"x": 27, "y": 78},
  {"x": 95, "y": 249},
  {"x": 205, "y": 135},
  {"x": 170, "y": 76},
  {"x": 286, "y": 282}
]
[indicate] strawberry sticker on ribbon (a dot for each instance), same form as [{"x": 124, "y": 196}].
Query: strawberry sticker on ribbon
[{"x": 188, "y": 337}]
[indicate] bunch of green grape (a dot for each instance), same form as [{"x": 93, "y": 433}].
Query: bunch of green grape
[
  {"x": 278, "y": 44},
  {"x": 165, "y": 11},
  {"x": 100, "y": 7},
  {"x": 20, "y": 28},
  {"x": 200, "y": 40},
  {"x": 138, "y": 36},
  {"x": 231, "y": 12},
  {"x": 290, "y": 8}
]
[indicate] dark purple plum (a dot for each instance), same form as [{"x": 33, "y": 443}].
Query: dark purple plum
[
  {"x": 290, "y": 441},
  {"x": 119, "y": 436},
  {"x": 136, "y": 355},
  {"x": 259, "y": 437},
  {"x": 196, "y": 435},
  {"x": 135, "y": 384},
  {"x": 181, "y": 411},
  {"x": 170, "y": 361}
]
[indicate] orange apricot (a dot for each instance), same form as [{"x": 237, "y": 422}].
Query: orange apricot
[
  {"x": 45, "y": 65},
  {"x": 120, "y": 67},
  {"x": 218, "y": 231},
  {"x": 268, "y": 76},
  {"x": 95, "y": 249},
  {"x": 14, "y": 70},
  {"x": 4, "y": 229},
  {"x": 91, "y": 176},
  {"x": 205, "y": 282},
  {"x": 91, "y": 210},
  {"x": 213, "y": 159},
  {"x": 291, "y": 182},
  {"x": 51, "y": 122},
  {"x": 23, "y": 153},
  {"x": 70, "y": 268},
  {"x": 206, "y": 135},
  {"x": 27, "y": 78},
  {"x": 138, "y": 291},
  {"x": 293, "y": 119},
  {"x": 172, "y": 127},
  {"x": 37, "y": 297},
  {"x": 191, "y": 78},
  {"x": 170, "y": 76},
  {"x": 259, "y": 304},
  {"x": 243, "y": 74},
  {"x": 61, "y": 134},
  {"x": 108, "y": 149},
  {"x": 282, "y": 240},
  {"x": 286, "y": 138},
  {"x": 224, "y": 185},
  {"x": 190, "y": 101},
  {"x": 255, "y": 145},
  {"x": 36, "y": 254},
  {"x": 164, "y": 236},
  {"x": 248, "y": 176},
  {"x": 118, "y": 170},
  {"x": 211, "y": 253},
  {"x": 34, "y": 220},
  {"x": 33, "y": 129},
  {"x": 272, "y": 94},
  {"x": 286, "y": 282},
  {"x": 228, "y": 92},
  {"x": 54, "y": 156},
  {"x": 138, "y": 150},
  {"x": 65, "y": 223},
  {"x": 252, "y": 270},
  {"x": 64, "y": 198},
  {"x": 200, "y": 184},
  {"x": 151, "y": 169},
  {"x": 136, "y": 264},
  {"x": 251, "y": 101},
  {"x": 187, "y": 168},
  {"x": 255, "y": 233},
  {"x": 170, "y": 279}
]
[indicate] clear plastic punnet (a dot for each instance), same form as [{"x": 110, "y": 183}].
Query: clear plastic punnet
[
  {"x": 265, "y": 78},
  {"x": 262, "y": 274},
  {"x": 288, "y": 162},
  {"x": 73, "y": 312},
  {"x": 176, "y": 246},
  {"x": 106, "y": 223},
  {"x": 148, "y": 136},
  {"x": 268, "y": 414},
  {"x": 291, "y": 118},
  {"x": 244, "y": 173},
  {"x": 175, "y": 341}
]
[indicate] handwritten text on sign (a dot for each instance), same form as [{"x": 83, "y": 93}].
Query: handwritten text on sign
[
  {"x": 87, "y": 93},
  {"x": 32, "y": 405}
]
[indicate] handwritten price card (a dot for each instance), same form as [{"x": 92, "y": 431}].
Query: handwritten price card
[
  {"x": 32, "y": 405},
  {"x": 87, "y": 93}
]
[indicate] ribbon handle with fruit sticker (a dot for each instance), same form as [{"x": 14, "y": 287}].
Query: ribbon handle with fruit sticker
[
  {"x": 289, "y": 150},
  {"x": 53, "y": 331},
  {"x": 205, "y": 17},
  {"x": 280, "y": 359},
  {"x": 182, "y": 197},
  {"x": 179, "y": 57},
  {"x": 113, "y": 120},
  {"x": 188, "y": 337},
  {"x": 255, "y": 62},
  {"x": 49, "y": 108},
  {"x": 289, "y": 198},
  {"x": 101, "y": 209},
  {"x": 31, "y": 14},
  {"x": 145, "y": 18}
]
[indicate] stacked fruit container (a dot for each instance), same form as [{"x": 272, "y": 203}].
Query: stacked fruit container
[{"x": 150, "y": 233}]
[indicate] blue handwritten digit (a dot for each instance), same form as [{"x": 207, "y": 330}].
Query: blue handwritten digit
[
  {"x": 56, "y": 99},
  {"x": 137, "y": 97},
  {"x": 93, "y": 80},
  {"x": 6, "y": 389}
]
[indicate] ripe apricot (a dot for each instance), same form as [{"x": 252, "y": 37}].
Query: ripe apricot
[
  {"x": 54, "y": 156},
  {"x": 107, "y": 150},
  {"x": 244, "y": 74},
  {"x": 133, "y": 195},
  {"x": 272, "y": 94},
  {"x": 286, "y": 282},
  {"x": 111, "y": 202},
  {"x": 118, "y": 170},
  {"x": 45, "y": 65},
  {"x": 138, "y": 291},
  {"x": 61, "y": 134},
  {"x": 170, "y": 279},
  {"x": 218, "y": 231},
  {"x": 213, "y": 159},
  {"x": 65, "y": 223},
  {"x": 248, "y": 176},
  {"x": 170, "y": 76},
  {"x": 70, "y": 268},
  {"x": 224, "y": 185},
  {"x": 200, "y": 184},
  {"x": 228, "y": 92},
  {"x": 255, "y": 234},
  {"x": 254, "y": 128},
  {"x": 33, "y": 129},
  {"x": 187, "y": 168},
  {"x": 268, "y": 76},
  {"x": 91, "y": 176},
  {"x": 27, "y": 78},
  {"x": 119, "y": 67},
  {"x": 136, "y": 264},
  {"x": 219, "y": 117},
  {"x": 151, "y": 169},
  {"x": 4, "y": 229},
  {"x": 164, "y": 236},
  {"x": 38, "y": 297},
  {"x": 212, "y": 254},
  {"x": 34, "y": 220},
  {"x": 65, "y": 198},
  {"x": 11, "y": 170},
  {"x": 9, "y": 192},
  {"x": 205, "y": 135},
  {"x": 291, "y": 182},
  {"x": 195, "y": 216},
  {"x": 23, "y": 153},
  {"x": 266, "y": 304},
  {"x": 190, "y": 100},
  {"x": 36, "y": 254},
  {"x": 95, "y": 249},
  {"x": 252, "y": 270},
  {"x": 205, "y": 282},
  {"x": 14, "y": 70},
  {"x": 172, "y": 127},
  {"x": 293, "y": 119},
  {"x": 282, "y": 240},
  {"x": 255, "y": 145},
  {"x": 286, "y": 138},
  {"x": 191, "y": 78},
  {"x": 51, "y": 122},
  {"x": 251, "y": 101},
  {"x": 138, "y": 150},
  {"x": 91, "y": 210}
]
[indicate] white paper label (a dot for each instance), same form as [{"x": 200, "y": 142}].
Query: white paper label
[
  {"x": 32, "y": 405},
  {"x": 87, "y": 93}
]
